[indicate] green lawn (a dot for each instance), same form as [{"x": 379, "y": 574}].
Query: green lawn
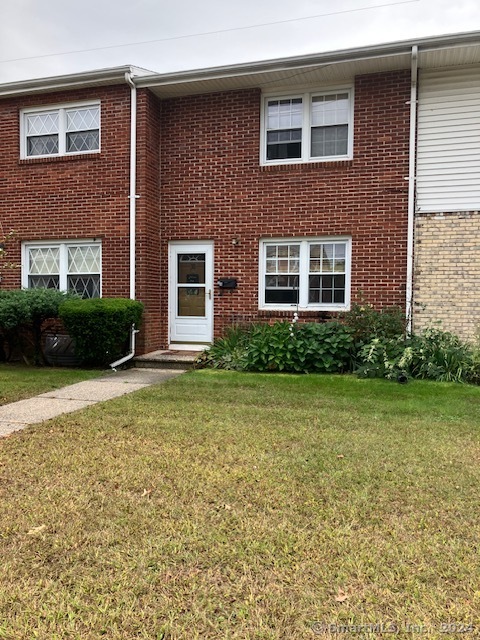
[
  {"x": 242, "y": 506},
  {"x": 19, "y": 381}
]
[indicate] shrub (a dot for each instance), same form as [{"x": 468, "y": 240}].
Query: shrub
[
  {"x": 23, "y": 313},
  {"x": 336, "y": 347},
  {"x": 100, "y": 327},
  {"x": 227, "y": 352},
  {"x": 440, "y": 355},
  {"x": 434, "y": 355},
  {"x": 368, "y": 323},
  {"x": 283, "y": 346},
  {"x": 381, "y": 358},
  {"x": 328, "y": 347}
]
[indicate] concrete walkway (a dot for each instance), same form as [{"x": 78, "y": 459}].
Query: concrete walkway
[{"x": 18, "y": 415}]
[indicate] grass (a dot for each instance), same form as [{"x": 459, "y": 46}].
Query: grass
[
  {"x": 241, "y": 506},
  {"x": 18, "y": 382}
]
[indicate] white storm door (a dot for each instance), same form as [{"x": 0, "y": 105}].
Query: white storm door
[{"x": 191, "y": 293}]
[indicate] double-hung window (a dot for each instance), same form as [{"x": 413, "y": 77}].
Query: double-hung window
[
  {"x": 59, "y": 131},
  {"x": 305, "y": 273},
  {"x": 307, "y": 127},
  {"x": 67, "y": 266}
]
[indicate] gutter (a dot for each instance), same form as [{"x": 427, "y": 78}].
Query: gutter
[
  {"x": 411, "y": 189},
  {"x": 292, "y": 63},
  {"x": 96, "y": 78},
  {"x": 133, "y": 209}
]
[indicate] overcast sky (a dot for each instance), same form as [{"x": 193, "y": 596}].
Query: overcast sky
[{"x": 189, "y": 34}]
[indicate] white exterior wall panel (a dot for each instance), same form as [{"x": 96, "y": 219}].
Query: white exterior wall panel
[{"x": 448, "y": 152}]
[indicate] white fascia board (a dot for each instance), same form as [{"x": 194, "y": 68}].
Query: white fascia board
[
  {"x": 312, "y": 60},
  {"x": 98, "y": 77}
]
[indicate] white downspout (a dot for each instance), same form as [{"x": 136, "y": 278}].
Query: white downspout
[
  {"x": 133, "y": 207},
  {"x": 411, "y": 188}
]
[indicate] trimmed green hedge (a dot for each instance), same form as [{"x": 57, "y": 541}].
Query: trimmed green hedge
[
  {"x": 100, "y": 327},
  {"x": 23, "y": 316}
]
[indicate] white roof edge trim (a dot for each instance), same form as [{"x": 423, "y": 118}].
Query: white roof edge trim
[
  {"x": 146, "y": 78},
  {"x": 313, "y": 60},
  {"x": 110, "y": 75}
]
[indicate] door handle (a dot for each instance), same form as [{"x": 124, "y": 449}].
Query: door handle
[{"x": 209, "y": 294}]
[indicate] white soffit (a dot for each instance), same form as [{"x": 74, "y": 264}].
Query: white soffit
[
  {"x": 324, "y": 69},
  {"x": 318, "y": 69},
  {"x": 450, "y": 56},
  {"x": 95, "y": 78},
  {"x": 324, "y": 74}
]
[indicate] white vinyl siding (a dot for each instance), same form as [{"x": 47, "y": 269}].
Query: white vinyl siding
[{"x": 448, "y": 156}]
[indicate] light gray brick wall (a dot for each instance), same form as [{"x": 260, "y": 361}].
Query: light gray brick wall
[{"x": 447, "y": 272}]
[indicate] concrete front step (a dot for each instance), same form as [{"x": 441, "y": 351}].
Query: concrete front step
[{"x": 168, "y": 359}]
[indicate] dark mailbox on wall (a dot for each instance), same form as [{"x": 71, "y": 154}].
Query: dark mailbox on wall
[{"x": 227, "y": 283}]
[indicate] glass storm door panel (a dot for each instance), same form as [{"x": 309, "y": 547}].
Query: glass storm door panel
[
  {"x": 191, "y": 293},
  {"x": 191, "y": 284}
]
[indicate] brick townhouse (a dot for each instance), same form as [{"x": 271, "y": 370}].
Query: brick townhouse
[{"x": 253, "y": 191}]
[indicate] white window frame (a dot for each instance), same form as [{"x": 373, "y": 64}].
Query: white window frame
[
  {"x": 62, "y": 132},
  {"x": 63, "y": 245},
  {"x": 306, "y": 97},
  {"x": 304, "y": 273}
]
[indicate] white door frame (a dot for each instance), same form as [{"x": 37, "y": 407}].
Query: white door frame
[{"x": 201, "y": 333}]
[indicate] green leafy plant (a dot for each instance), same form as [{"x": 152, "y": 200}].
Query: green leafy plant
[
  {"x": 440, "y": 355},
  {"x": 273, "y": 348},
  {"x": 283, "y": 346},
  {"x": 381, "y": 358},
  {"x": 368, "y": 323},
  {"x": 23, "y": 318},
  {"x": 474, "y": 373},
  {"x": 433, "y": 355},
  {"x": 227, "y": 352},
  {"x": 100, "y": 327},
  {"x": 325, "y": 348}
]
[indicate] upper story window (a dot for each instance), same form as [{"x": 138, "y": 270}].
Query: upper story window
[
  {"x": 68, "y": 266},
  {"x": 59, "y": 131},
  {"x": 308, "y": 127}
]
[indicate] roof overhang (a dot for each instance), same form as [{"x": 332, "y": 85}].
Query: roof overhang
[
  {"x": 97, "y": 78},
  {"x": 315, "y": 69},
  {"x": 323, "y": 68}
]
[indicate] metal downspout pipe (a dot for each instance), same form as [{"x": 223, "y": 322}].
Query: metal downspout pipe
[
  {"x": 133, "y": 206},
  {"x": 411, "y": 188}
]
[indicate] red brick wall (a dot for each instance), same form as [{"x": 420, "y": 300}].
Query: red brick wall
[
  {"x": 86, "y": 196},
  {"x": 213, "y": 188},
  {"x": 148, "y": 274},
  {"x": 74, "y": 197},
  {"x": 210, "y": 186}
]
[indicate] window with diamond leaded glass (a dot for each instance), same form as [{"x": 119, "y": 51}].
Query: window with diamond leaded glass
[
  {"x": 307, "y": 127},
  {"x": 74, "y": 266},
  {"x": 61, "y": 131},
  {"x": 307, "y": 273}
]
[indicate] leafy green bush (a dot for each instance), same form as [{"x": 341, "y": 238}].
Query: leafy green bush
[
  {"x": 100, "y": 327},
  {"x": 368, "y": 323},
  {"x": 434, "y": 355},
  {"x": 227, "y": 352},
  {"x": 299, "y": 348},
  {"x": 440, "y": 355},
  {"x": 338, "y": 347},
  {"x": 23, "y": 313},
  {"x": 283, "y": 346},
  {"x": 380, "y": 358},
  {"x": 474, "y": 374}
]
